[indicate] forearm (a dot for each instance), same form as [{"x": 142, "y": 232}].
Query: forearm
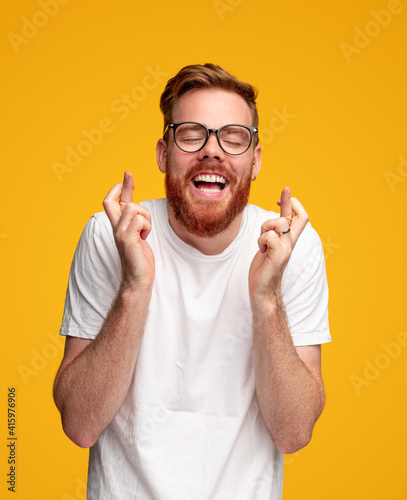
[
  {"x": 90, "y": 390},
  {"x": 290, "y": 395}
]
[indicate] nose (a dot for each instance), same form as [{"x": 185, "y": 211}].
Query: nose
[{"x": 212, "y": 148}]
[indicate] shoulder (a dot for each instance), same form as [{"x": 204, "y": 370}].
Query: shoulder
[
  {"x": 309, "y": 242},
  {"x": 307, "y": 261},
  {"x": 98, "y": 230},
  {"x": 100, "y": 221},
  {"x": 96, "y": 243},
  {"x": 156, "y": 207}
]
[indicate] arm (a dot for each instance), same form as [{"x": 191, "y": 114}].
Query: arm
[
  {"x": 288, "y": 380},
  {"x": 94, "y": 376}
]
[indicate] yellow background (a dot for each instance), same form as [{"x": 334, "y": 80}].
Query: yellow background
[{"x": 340, "y": 151}]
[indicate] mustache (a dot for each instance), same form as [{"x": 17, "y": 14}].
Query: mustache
[{"x": 210, "y": 166}]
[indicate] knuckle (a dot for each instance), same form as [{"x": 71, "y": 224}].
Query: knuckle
[
  {"x": 134, "y": 208},
  {"x": 129, "y": 209},
  {"x": 270, "y": 236},
  {"x": 269, "y": 224},
  {"x": 143, "y": 210},
  {"x": 138, "y": 221}
]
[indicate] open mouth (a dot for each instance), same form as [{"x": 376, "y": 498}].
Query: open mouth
[{"x": 209, "y": 183}]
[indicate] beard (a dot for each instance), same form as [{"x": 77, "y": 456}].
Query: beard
[{"x": 206, "y": 217}]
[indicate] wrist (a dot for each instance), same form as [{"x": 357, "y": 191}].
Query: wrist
[
  {"x": 135, "y": 292},
  {"x": 266, "y": 302},
  {"x": 266, "y": 308}
]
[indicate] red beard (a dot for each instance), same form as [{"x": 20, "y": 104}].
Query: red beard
[{"x": 206, "y": 217}]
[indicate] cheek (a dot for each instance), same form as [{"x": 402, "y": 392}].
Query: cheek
[
  {"x": 178, "y": 163},
  {"x": 178, "y": 175},
  {"x": 245, "y": 170}
]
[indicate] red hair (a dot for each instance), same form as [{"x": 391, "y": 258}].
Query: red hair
[{"x": 198, "y": 76}]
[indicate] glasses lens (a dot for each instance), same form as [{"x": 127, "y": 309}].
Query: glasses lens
[
  {"x": 190, "y": 136},
  {"x": 235, "y": 139}
]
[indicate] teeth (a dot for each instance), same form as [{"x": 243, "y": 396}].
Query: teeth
[
  {"x": 210, "y": 178},
  {"x": 209, "y": 190}
]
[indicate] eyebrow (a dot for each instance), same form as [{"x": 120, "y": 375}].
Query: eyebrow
[{"x": 192, "y": 125}]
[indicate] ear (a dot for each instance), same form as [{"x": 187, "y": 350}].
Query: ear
[
  {"x": 161, "y": 152},
  {"x": 256, "y": 162}
]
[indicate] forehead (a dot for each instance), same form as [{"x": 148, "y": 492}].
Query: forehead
[{"x": 212, "y": 107}]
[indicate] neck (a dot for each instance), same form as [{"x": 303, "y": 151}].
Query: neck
[{"x": 213, "y": 245}]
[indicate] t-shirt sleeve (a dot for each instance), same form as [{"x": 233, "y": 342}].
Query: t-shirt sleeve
[
  {"x": 94, "y": 280},
  {"x": 305, "y": 291}
]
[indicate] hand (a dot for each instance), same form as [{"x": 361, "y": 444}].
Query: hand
[
  {"x": 131, "y": 225},
  {"x": 275, "y": 248}
]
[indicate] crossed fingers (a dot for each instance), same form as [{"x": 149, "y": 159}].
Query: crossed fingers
[
  {"x": 122, "y": 211},
  {"x": 286, "y": 228}
]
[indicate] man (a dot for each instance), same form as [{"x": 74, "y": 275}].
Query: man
[{"x": 193, "y": 325}]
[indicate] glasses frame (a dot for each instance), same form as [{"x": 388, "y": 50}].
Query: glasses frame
[{"x": 175, "y": 125}]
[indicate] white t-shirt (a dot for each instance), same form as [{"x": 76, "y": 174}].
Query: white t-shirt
[{"x": 190, "y": 426}]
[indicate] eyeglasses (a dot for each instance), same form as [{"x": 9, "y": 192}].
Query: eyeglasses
[{"x": 191, "y": 137}]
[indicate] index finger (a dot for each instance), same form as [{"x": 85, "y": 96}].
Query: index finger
[{"x": 126, "y": 195}]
